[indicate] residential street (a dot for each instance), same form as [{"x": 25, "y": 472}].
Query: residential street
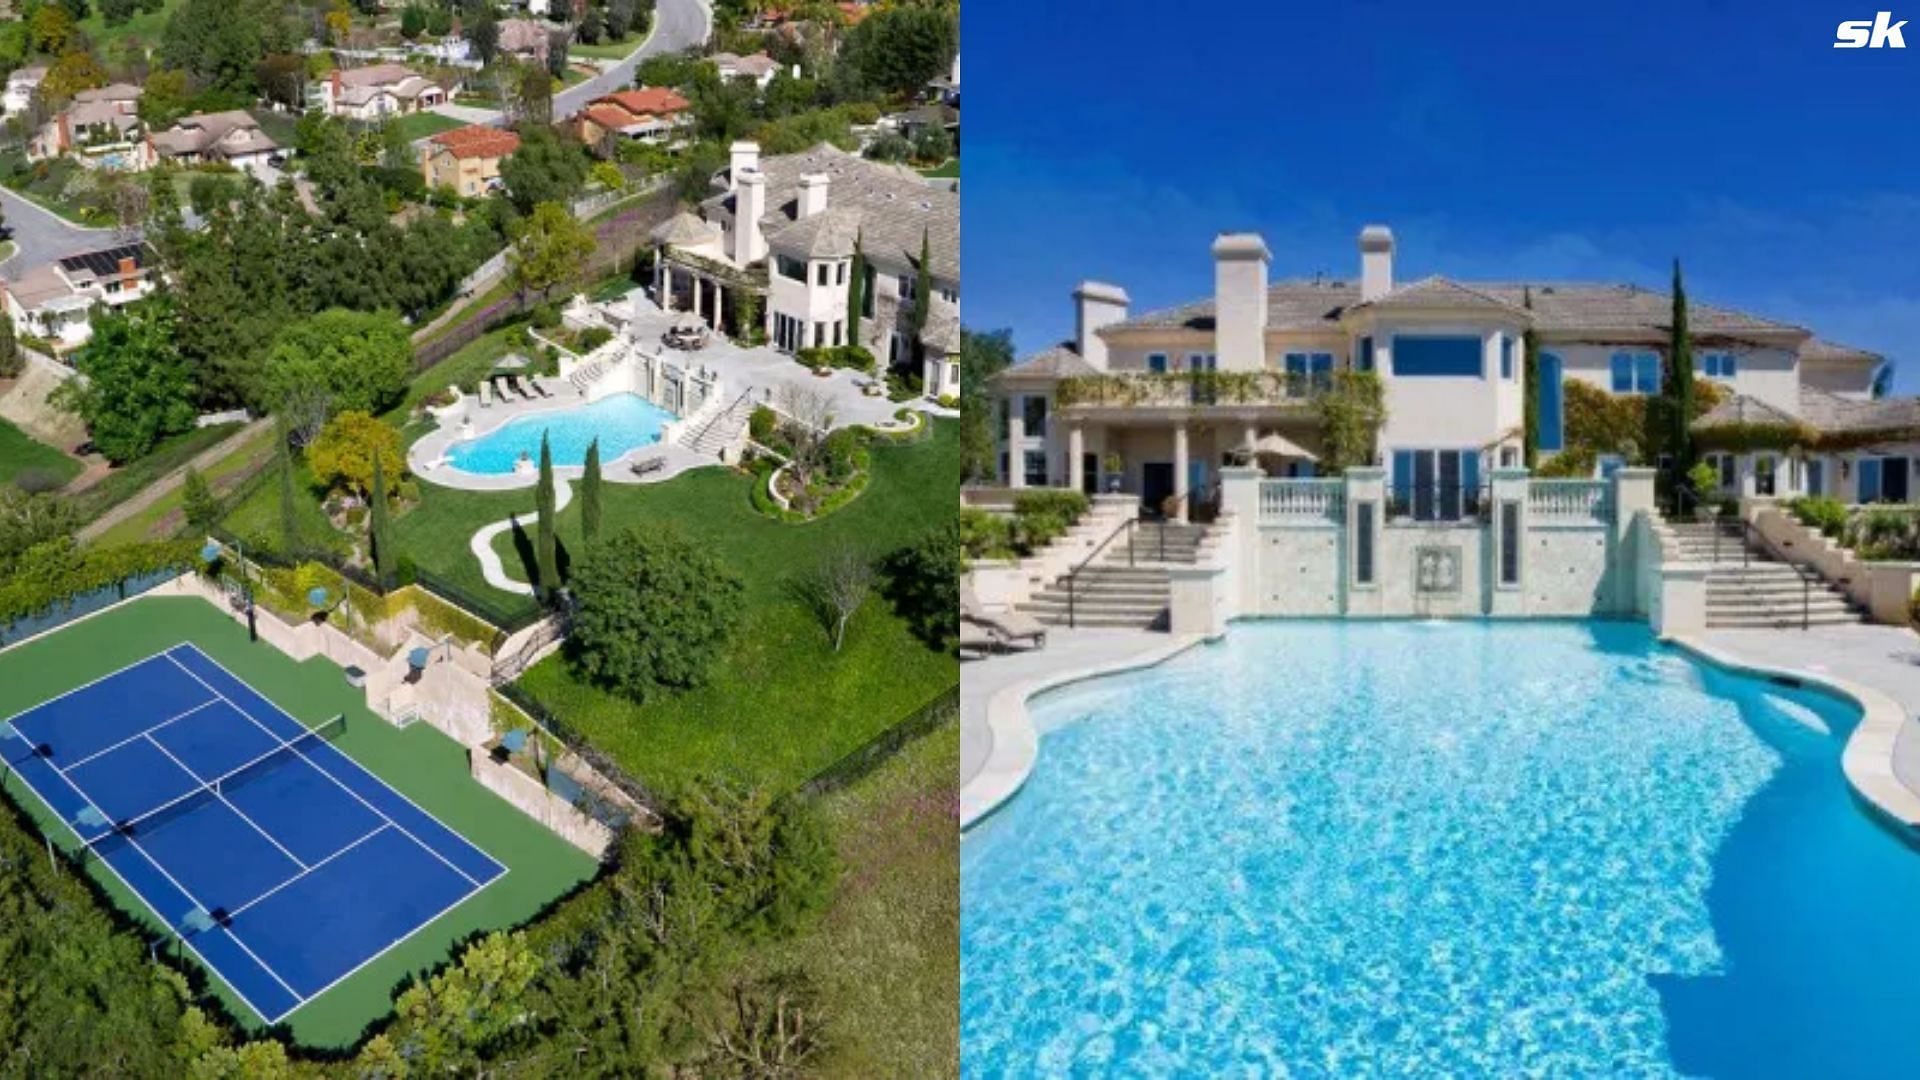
[
  {"x": 44, "y": 236},
  {"x": 682, "y": 24}
]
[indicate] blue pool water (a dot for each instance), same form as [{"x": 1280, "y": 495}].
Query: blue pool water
[
  {"x": 621, "y": 422},
  {"x": 1471, "y": 849}
]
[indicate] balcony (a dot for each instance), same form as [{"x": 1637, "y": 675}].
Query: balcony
[{"x": 1185, "y": 389}]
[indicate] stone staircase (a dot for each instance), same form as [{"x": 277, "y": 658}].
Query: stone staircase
[
  {"x": 1752, "y": 588},
  {"x": 1114, "y": 591},
  {"x": 721, "y": 430},
  {"x": 584, "y": 377}
]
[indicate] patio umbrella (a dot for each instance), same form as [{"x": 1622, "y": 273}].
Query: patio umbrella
[
  {"x": 515, "y": 740},
  {"x": 511, "y": 362},
  {"x": 417, "y": 659}
]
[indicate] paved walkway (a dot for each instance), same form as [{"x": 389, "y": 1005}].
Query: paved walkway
[
  {"x": 997, "y": 742},
  {"x": 153, "y": 492},
  {"x": 482, "y": 544},
  {"x": 1883, "y": 658}
]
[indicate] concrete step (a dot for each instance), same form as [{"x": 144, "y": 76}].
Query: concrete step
[
  {"x": 1101, "y": 620},
  {"x": 1789, "y": 620},
  {"x": 1813, "y": 603}
]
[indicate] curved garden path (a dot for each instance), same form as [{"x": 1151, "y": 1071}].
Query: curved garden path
[{"x": 491, "y": 567}]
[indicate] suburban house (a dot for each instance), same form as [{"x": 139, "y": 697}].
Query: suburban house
[
  {"x": 21, "y": 83},
  {"x": 100, "y": 128},
  {"x": 54, "y": 301},
  {"x": 1154, "y": 404},
  {"x": 232, "y": 138},
  {"x": 649, "y": 114},
  {"x": 759, "y": 67},
  {"x": 467, "y": 160},
  {"x": 526, "y": 39},
  {"x": 378, "y": 91},
  {"x": 778, "y": 238},
  {"x": 945, "y": 89}
]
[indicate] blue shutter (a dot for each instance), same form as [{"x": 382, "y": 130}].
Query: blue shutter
[
  {"x": 1622, "y": 373},
  {"x": 1816, "y": 478},
  {"x": 1869, "y": 480},
  {"x": 1549, "y": 396},
  {"x": 1469, "y": 478},
  {"x": 1506, "y": 357},
  {"x": 1366, "y": 354},
  {"x": 1403, "y": 477},
  {"x": 1646, "y": 373}
]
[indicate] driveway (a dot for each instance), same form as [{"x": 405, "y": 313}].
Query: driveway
[{"x": 44, "y": 236}]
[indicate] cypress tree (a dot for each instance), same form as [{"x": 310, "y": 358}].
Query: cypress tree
[
  {"x": 1530, "y": 388},
  {"x": 380, "y": 528},
  {"x": 856, "y": 291},
  {"x": 289, "y": 516},
  {"x": 1680, "y": 385},
  {"x": 590, "y": 495},
  {"x": 546, "y": 566},
  {"x": 923, "y": 287}
]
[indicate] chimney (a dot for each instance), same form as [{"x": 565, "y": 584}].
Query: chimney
[
  {"x": 127, "y": 269},
  {"x": 335, "y": 80},
  {"x": 744, "y": 155},
  {"x": 1096, "y": 304},
  {"x": 1376, "y": 262},
  {"x": 749, "y": 202},
  {"x": 1240, "y": 301},
  {"x": 813, "y": 193}
]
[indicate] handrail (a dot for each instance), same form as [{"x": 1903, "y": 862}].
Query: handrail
[
  {"x": 1073, "y": 575},
  {"x": 1751, "y": 533}
]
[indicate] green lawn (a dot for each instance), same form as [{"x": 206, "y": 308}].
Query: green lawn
[
  {"x": 782, "y": 705},
  {"x": 166, "y": 514},
  {"x": 607, "y": 50},
  {"x": 886, "y": 957},
  {"x": 148, "y": 26},
  {"x": 948, "y": 171},
  {"x": 21, "y": 453},
  {"x": 419, "y": 762},
  {"x": 422, "y": 124}
]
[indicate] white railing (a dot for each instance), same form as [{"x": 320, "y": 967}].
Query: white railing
[
  {"x": 1298, "y": 500},
  {"x": 1564, "y": 500}
]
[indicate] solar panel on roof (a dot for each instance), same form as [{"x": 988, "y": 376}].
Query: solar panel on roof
[{"x": 105, "y": 262}]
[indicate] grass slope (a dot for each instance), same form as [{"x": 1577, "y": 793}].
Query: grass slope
[
  {"x": 419, "y": 762},
  {"x": 20, "y": 452}
]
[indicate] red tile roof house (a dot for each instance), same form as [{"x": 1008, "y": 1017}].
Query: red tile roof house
[
  {"x": 649, "y": 115},
  {"x": 369, "y": 93},
  {"x": 467, "y": 160}
]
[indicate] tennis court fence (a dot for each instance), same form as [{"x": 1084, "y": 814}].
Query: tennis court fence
[{"x": 599, "y": 809}]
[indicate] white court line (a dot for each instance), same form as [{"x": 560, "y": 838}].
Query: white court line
[
  {"x": 137, "y": 736},
  {"x": 348, "y": 758},
  {"x": 88, "y": 685},
  {"x": 377, "y": 830},
  {"x": 341, "y": 783},
  {"x": 218, "y": 794},
  {"x": 151, "y": 861}
]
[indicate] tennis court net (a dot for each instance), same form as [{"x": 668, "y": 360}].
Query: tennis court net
[{"x": 103, "y": 835}]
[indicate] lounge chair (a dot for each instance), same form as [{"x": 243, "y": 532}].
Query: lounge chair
[
  {"x": 1007, "y": 626},
  {"x": 513, "y": 384},
  {"x": 486, "y": 395},
  {"x": 649, "y": 465},
  {"x": 537, "y": 388},
  {"x": 977, "y": 639}
]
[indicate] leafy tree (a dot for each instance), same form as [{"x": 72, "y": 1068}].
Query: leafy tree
[
  {"x": 337, "y": 360},
  {"x": 609, "y": 176},
  {"x": 550, "y": 250},
  {"x": 138, "y": 388},
  {"x": 1679, "y": 385},
  {"x": 289, "y": 512},
  {"x": 897, "y": 49},
  {"x": 548, "y": 167},
  {"x": 165, "y": 97},
  {"x": 923, "y": 582},
  {"x": 12, "y": 359},
  {"x": 117, "y": 12},
  {"x": 620, "y": 16},
  {"x": 836, "y": 588},
  {"x": 891, "y": 146},
  {"x": 283, "y": 80},
  {"x": 653, "y": 610},
  {"x": 29, "y": 520},
  {"x": 349, "y": 446},
  {"x": 51, "y": 28},
  {"x": 450, "y": 1019},
  {"x": 590, "y": 495},
  {"x": 413, "y": 21},
  {"x": 923, "y": 290},
  {"x": 933, "y": 144},
  {"x": 73, "y": 72},
  {"x": 545, "y": 546},
  {"x": 592, "y": 27},
  {"x": 483, "y": 34},
  {"x": 982, "y": 355},
  {"x": 201, "y": 505},
  {"x": 558, "y": 42},
  {"x": 380, "y": 527}
]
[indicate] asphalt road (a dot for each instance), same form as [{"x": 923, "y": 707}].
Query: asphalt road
[
  {"x": 678, "y": 25},
  {"x": 44, "y": 236}
]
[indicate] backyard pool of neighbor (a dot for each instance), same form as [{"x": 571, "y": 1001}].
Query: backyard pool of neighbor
[
  {"x": 622, "y": 422},
  {"x": 1465, "y": 849}
]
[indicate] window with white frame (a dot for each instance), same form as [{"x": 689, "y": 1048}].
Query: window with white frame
[{"x": 1636, "y": 372}]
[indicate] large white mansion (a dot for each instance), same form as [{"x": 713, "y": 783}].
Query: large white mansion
[{"x": 1088, "y": 414}]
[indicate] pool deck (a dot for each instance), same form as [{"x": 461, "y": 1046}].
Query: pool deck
[
  {"x": 1878, "y": 666},
  {"x": 998, "y": 744}
]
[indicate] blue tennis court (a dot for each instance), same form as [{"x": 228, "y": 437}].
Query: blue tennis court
[{"x": 282, "y": 863}]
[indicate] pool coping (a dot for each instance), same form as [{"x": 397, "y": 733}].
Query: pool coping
[
  {"x": 427, "y": 457},
  {"x": 1867, "y": 759},
  {"x": 1016, "y": 744}
]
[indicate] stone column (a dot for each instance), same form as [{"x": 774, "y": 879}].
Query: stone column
[
  {"x": 1509, "y": 486},
  {"x": 1240, "y": 503},
  {"x": 1632, "y": 495},
  {"x": 1076, "y": 456},
  {"x": 1366, "y": 492},
  {"x": 1180, "y": 471},
  {"x": 1016, "y": 441},
  {"x": 665, "y": 289}
]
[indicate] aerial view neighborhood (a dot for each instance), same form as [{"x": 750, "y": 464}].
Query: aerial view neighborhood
[{"x": 477, "y": 551}]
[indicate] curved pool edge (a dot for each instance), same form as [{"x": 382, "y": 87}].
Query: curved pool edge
[
  {"x": 1016, "y": 745},
  {"x": 1867, "y": 759},
  {"x": 427, "y": 455}
]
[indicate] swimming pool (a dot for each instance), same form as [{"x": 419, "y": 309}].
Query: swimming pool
[
  {"x": 622, "y": 422},
  {"x": 1339, "y": 849}
]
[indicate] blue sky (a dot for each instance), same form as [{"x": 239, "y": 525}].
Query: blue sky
[{"x": 1112, "y": 140}]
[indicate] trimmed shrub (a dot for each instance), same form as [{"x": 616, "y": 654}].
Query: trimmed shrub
[{"x": 762, "y": 424}]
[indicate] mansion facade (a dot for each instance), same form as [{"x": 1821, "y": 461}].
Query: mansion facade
[{"x": 1127, "y": 406}]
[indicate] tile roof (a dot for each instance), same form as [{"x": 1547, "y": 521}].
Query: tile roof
[
  {"x": 1744, "y": 409},
  {"x": 1439, "y": 294},
  {"x": 830, "y": 234},
  {"x": 1061, "y": 361},
  {"x": 1832, "y": 352},
  {"x": 656, "y": 100},
  {"x": 1830, "y": 412},
  {"x": 684, "y": 229},
  {"x": 375, "y": 75},
  {"x": 228, "y": 133},
  {"x": 478, "y": 141},
  {"x": 1556, "y": 306},
  {"x": 895, "y": 206}
]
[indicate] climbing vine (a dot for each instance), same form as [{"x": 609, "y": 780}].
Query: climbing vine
[{"x": 1351, "y": 412}]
